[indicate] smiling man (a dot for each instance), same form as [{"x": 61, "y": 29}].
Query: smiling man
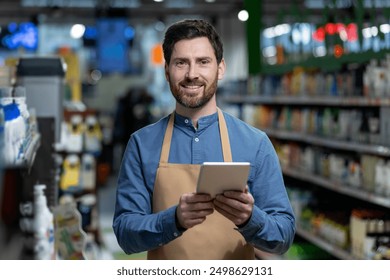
[{"x": 157, "y": 207}]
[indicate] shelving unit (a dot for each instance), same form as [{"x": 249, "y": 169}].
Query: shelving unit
[
  {"x": 93, "y": 226},
  {"x": 327, "y": 142},
  {"x": 40, "y": 79}
]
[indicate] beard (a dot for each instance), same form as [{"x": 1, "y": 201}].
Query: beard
[{"x": 193, "y": 101}]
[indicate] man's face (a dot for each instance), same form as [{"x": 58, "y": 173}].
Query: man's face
[{"x": 193, "y": 72}]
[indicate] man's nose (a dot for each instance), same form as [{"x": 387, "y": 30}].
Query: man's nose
[{"x": 192, "y": 72}]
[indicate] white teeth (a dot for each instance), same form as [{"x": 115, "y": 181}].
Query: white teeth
[{"x": 192, "y": 87}]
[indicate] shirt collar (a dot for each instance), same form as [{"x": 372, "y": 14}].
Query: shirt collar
[{"x": 203, "y": 122}]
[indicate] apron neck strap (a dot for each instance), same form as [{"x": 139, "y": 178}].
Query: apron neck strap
[
  {"x": 223, "y": 132},
  {"x": 167, "y": 139}
]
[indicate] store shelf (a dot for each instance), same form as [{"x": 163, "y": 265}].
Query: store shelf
[
  {"x": 359, "y": 193},
  {"x": 378, "y": 150},
  {"x": 326, "y": 246},
  {"x": 307, "y": 100}
]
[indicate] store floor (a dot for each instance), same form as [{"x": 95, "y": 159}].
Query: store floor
[{"x": 110, "y": 249}]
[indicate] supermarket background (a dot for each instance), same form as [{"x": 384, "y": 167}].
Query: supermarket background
[{"x": 314, "y": 75}]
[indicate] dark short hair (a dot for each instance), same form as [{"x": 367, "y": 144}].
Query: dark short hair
[{"x": 190, "y": 29}]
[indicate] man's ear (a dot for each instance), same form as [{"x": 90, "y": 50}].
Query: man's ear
[{"x": 221, "y": 69}]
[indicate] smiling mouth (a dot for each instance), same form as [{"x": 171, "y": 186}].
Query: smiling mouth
[{"x": 192, "y": 86}]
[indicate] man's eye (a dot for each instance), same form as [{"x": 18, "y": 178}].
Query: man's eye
[{"x": 180, "y": 63}]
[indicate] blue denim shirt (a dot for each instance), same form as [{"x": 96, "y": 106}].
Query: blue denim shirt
[{"x": 271, "y": 227}]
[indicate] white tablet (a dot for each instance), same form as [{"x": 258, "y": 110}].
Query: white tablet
[{"x": 217, "y": 177}]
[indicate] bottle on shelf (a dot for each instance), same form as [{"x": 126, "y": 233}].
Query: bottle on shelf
[{"x": 43, "y": 226}]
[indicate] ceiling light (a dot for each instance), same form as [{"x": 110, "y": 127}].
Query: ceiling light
[
  {"x": 77, "y": 31},
  {"x": 243, "y": 15}
]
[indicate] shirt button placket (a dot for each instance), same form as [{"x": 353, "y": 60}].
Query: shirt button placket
[{"x": 196, "y": 150}]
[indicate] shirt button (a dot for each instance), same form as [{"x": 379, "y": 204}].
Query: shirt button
[
  {"x": 196, "y": 139},
  {"x": 175, "y": 234},
  {"x": 186, "y": 121}
]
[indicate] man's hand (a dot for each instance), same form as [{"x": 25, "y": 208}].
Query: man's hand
[
  {"x": 234, "y": 205},
  {"x": 193, "y": 209}
]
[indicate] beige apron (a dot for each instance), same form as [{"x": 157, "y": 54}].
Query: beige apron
[{"x": 214, "y": 239}]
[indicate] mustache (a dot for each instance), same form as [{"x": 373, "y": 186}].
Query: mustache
[{"x": 189, "y": 82}]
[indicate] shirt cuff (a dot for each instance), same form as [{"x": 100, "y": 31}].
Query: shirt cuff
[
  {"x": 253, "y": 225},
  {"x": 171, "y": 231}
]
